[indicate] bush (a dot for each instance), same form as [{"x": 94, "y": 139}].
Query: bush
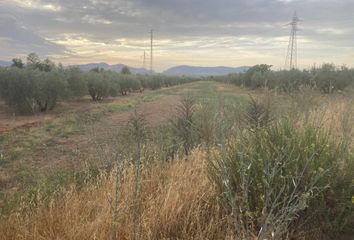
[
  {"x": 329, "y": 78},
  {"x": 280, "y": 176},
  {"x": 258, "y": 113},
  {"x": 183, "y": 124}
]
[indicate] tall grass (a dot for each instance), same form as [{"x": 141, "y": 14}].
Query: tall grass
[
  {"x": 284, "y": 179},
  {"x": 177, "y": 202}
]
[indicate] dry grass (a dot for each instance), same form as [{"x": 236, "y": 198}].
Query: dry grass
[{"x": 177, "y": 202}]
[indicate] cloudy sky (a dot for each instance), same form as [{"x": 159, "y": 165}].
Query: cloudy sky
[{"x": 193, "y": 32}]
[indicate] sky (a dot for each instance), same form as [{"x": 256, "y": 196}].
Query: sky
[{"x": 186, "y": 32}]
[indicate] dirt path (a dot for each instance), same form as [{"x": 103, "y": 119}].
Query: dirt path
[
  {"x": 155, "y": 112},
  {"x": 59, "y": 152},
  {"x": 10, "y": 120}
]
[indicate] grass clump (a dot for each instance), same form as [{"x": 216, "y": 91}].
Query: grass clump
[{"x": 285, "y": 182}]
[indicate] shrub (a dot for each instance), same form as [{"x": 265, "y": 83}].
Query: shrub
[
  {"x": 183, "y": 124},
  {"x": 258, "y": 113},
  {"x": 280, "y": 176}
]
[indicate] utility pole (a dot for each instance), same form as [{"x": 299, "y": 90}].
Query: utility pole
[
  {"x": 151, "y": 50},
  {"x": 144, "y": 60},
  {"x": 291, "y": 56}
]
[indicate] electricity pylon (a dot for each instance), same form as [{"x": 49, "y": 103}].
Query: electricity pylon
[{"x": 291, "y": 56}]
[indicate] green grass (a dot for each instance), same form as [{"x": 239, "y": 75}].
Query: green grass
[
  {"x": 26, "y": 143},
  {"x": 44, "y": 139}
]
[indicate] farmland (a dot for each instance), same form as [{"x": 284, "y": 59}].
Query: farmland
[{"x": 135, "y": 167}]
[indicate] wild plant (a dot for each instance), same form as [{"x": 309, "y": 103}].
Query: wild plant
[
  {"x": 137, "y": 126},
  {"x": 280, "y": 174},
  {"x": 183, "y": 124}
]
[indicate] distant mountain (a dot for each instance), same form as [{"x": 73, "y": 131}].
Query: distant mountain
[
  {"x": 203, "y": 71},
  {"x": 193, "y": 71},
  {"x": 5, "y": 63},
  {"x": 116, "y": 67}
]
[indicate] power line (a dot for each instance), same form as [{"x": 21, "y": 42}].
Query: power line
[{"x": 291, "y": 56}]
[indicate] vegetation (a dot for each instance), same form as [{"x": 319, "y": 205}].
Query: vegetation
[
  {"x": 328, "y": 78},
  {"x": 217, "y": 164},
  {"x": 279, "y": 177},
  {"x": 39, "y": 85}
]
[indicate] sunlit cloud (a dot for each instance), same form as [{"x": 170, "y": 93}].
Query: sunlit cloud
[
  {"x": 37, "y": 5},
  {"x": 95, "y": 20},
  {"x": 198, "y": 32}
]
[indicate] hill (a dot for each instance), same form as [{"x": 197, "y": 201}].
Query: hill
[
  {"x": 115, "y": 67},
  {"x": 4, "y": 63}
]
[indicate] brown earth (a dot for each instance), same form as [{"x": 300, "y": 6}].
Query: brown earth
[
  {"x": 10, "y": 120},
  {"x": 58, "y": 152}
]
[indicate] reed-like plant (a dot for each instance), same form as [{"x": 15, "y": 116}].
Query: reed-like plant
[{"x": 280, "y": 174}]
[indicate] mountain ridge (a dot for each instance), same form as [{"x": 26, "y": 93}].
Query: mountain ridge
[
  {"x": 181, "y": 70},
  {"x": 199, "y": 71}
]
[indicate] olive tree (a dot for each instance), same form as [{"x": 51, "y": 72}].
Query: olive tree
[{"x": 98, "y": 87}]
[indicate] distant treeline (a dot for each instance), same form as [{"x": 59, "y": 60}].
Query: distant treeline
[
  {"x": 328, "y": 78},
  {"x": 38, "y": 85}
]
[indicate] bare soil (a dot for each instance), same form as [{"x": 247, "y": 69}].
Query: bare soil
[
  {"x": 10, "y": 120},
  {"x": 70, "y": 151}
]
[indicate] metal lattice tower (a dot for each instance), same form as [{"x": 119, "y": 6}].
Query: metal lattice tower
[{"x": 291, "y": 56}]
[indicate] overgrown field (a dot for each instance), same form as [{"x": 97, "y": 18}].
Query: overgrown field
[{"x": 202, "y": 160}]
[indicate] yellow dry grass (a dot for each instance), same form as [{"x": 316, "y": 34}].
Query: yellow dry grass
[{"x": 177, "y": 201}]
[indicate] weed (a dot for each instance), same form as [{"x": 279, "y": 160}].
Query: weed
[{"x": 279, "y": 174}]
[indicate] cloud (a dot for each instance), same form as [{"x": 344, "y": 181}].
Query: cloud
[
  {"x": 36, "y": 5},
  {"x": 186, "y": 30},
  {"x": 16, "y": 39}
]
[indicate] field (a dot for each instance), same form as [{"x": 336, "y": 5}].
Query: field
[{"x": 115, "y": 169}]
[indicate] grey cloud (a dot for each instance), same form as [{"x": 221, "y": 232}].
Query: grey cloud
[
  {"x": 16, "y": 39},
  {"x": 133, "y": 18},
  {"x": 107, "y": 20}
]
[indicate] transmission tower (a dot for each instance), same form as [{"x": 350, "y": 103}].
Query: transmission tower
[
  {"x": 151, "y": 50},
  {"x": 291, "y": 56}
]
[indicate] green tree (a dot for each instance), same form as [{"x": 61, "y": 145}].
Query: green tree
[
  {"x": 98, "y": 87},
  {"x": 17, "y": 62},
  {"x": 260, "y": 70},
  {"x": 49, "y": 87},
  {"x": 125, "y": 70},
  {"x": 33, "y": 61},
  {"x": 77, "y": 84}
]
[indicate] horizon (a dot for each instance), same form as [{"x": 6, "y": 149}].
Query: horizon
[{"x": 193, "y": 33}]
